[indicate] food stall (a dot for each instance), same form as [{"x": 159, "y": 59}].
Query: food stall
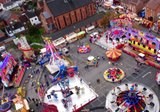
[
  {"x": 90, "y": 28},
  {"x": 71, "y": 37},
  {"x": 81, "y": 34},
  {"x": 60, "y": 42}
]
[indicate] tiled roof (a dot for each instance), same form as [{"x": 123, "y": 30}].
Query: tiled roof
[
  {"x": 75, "y": 26},
  {"x": 30, "y": 14},
  {"x": 59, "y": 7}
]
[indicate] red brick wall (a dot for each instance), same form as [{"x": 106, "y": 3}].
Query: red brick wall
[
  {"x": 74, "y": 16},
  {"x": 83, "y": 13},
  {"x": 67, "y": 18},
  {"x": 61, "y": 21},
  {"x": 78, "y": 15}
]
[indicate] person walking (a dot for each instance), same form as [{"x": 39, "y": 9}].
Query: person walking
[
  {"x": 81, "y": 80},
  {"x": 98, "y": 81},
  {"x": 29, "y": 99}
]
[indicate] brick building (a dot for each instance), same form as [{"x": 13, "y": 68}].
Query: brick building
[
  {"x": 134, "y": 5},
  {"x": 152, "y": 10},
  {"x": 58, "y": 14}
]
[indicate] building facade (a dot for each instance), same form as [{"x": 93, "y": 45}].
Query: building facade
[
  {"x": 152, "y": 10},
  {"x": 72, "y": 11},
  {"x": 134, "y": 6}
]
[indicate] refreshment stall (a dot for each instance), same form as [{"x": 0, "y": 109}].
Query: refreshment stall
[
  {"x": 81, "y": 34},
  {"x": 72, "y": 37},
  {"x": 60, "y": 42}
]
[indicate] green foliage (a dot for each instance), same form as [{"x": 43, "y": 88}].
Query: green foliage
[
  {"x": 37, "y": 47},
  {"x": 107, "y": 17},
  {"x": 34, "y": 35}
]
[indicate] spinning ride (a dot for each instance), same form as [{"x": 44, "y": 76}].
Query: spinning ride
[
  {"x": 84, "y": 49},
  {"x": 114, "y": 74},
  {"x": 113, "y": 54},
  {"x": 132, "y": 98},
  {"x": 10, "y": 72}
]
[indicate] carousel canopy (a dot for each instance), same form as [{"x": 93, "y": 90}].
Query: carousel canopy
[{"x": 113, "y": 53}]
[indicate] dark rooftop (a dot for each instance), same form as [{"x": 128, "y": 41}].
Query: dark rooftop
[
  {"x": 30, "y": 14},
  {"x": 14, "y": 26},
  {"x": 59, "y": 7},
  {"x": 7, "y": 4},
  {"x": 23, "y": 19},
  {"x": 4, "y": 15},
  {"x": 80, "y": 24}
]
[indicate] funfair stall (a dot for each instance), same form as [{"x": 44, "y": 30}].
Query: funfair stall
[
  {"x": 89, "y": 29},
  {"x": 60, "y": 42},
  {"x": 81, "y": 34},
  {"x": 72, "y": 37},
  {"x": 10, "y": 72},
  {"x": 79, "y": 95}
]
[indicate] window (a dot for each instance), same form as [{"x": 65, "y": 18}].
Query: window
[
  {"x": 149, "y": 48},
  {"x": 144, "y": 46},
  {"x": 133, "y": 42}
]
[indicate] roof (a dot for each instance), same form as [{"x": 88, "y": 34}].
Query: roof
[
  {"x": 4, "y": 15},
  {"x": 30, "y": 14},
  {"x": 8, "y": 4},
  {"x": 23, "y": 19},
  {"x": 80, "y": 24},
  {"x": 1, "y": 34},
  {"x": 153, "y": 4},
  {"x": 138, "y": 3},
  {"x": 46, "y": 14},
  {"x": 14, "y": 26},
  {"x": 58, "y": 7}
]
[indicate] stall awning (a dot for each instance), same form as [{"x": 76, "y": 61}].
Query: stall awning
[
  {"x": 59, "y": 41},
  {"x": 90, "y": 28},
  {"x": 71, "y": 35},
  {"x": 81, "y": 33}
]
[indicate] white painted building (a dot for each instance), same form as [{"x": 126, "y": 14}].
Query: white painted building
[
  {"x": 11, "y": 4},
  {"x": 15, "y": 28},
  {"x": 33, "y": 18}
]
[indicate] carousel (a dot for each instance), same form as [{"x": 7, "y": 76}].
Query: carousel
[
  {"x": 83, "y": 49},
  {"x": 113, "y": 54},
  {"x": 114, "y": 74},
  {"x": 132, "y": 98}
]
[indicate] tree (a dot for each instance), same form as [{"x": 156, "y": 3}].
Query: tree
[
  {"x": 34, "y": 35},
  {"x": 107, "y": 18}
]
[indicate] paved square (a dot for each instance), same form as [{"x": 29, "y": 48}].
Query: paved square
[{"x": 126, "y": 63}]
